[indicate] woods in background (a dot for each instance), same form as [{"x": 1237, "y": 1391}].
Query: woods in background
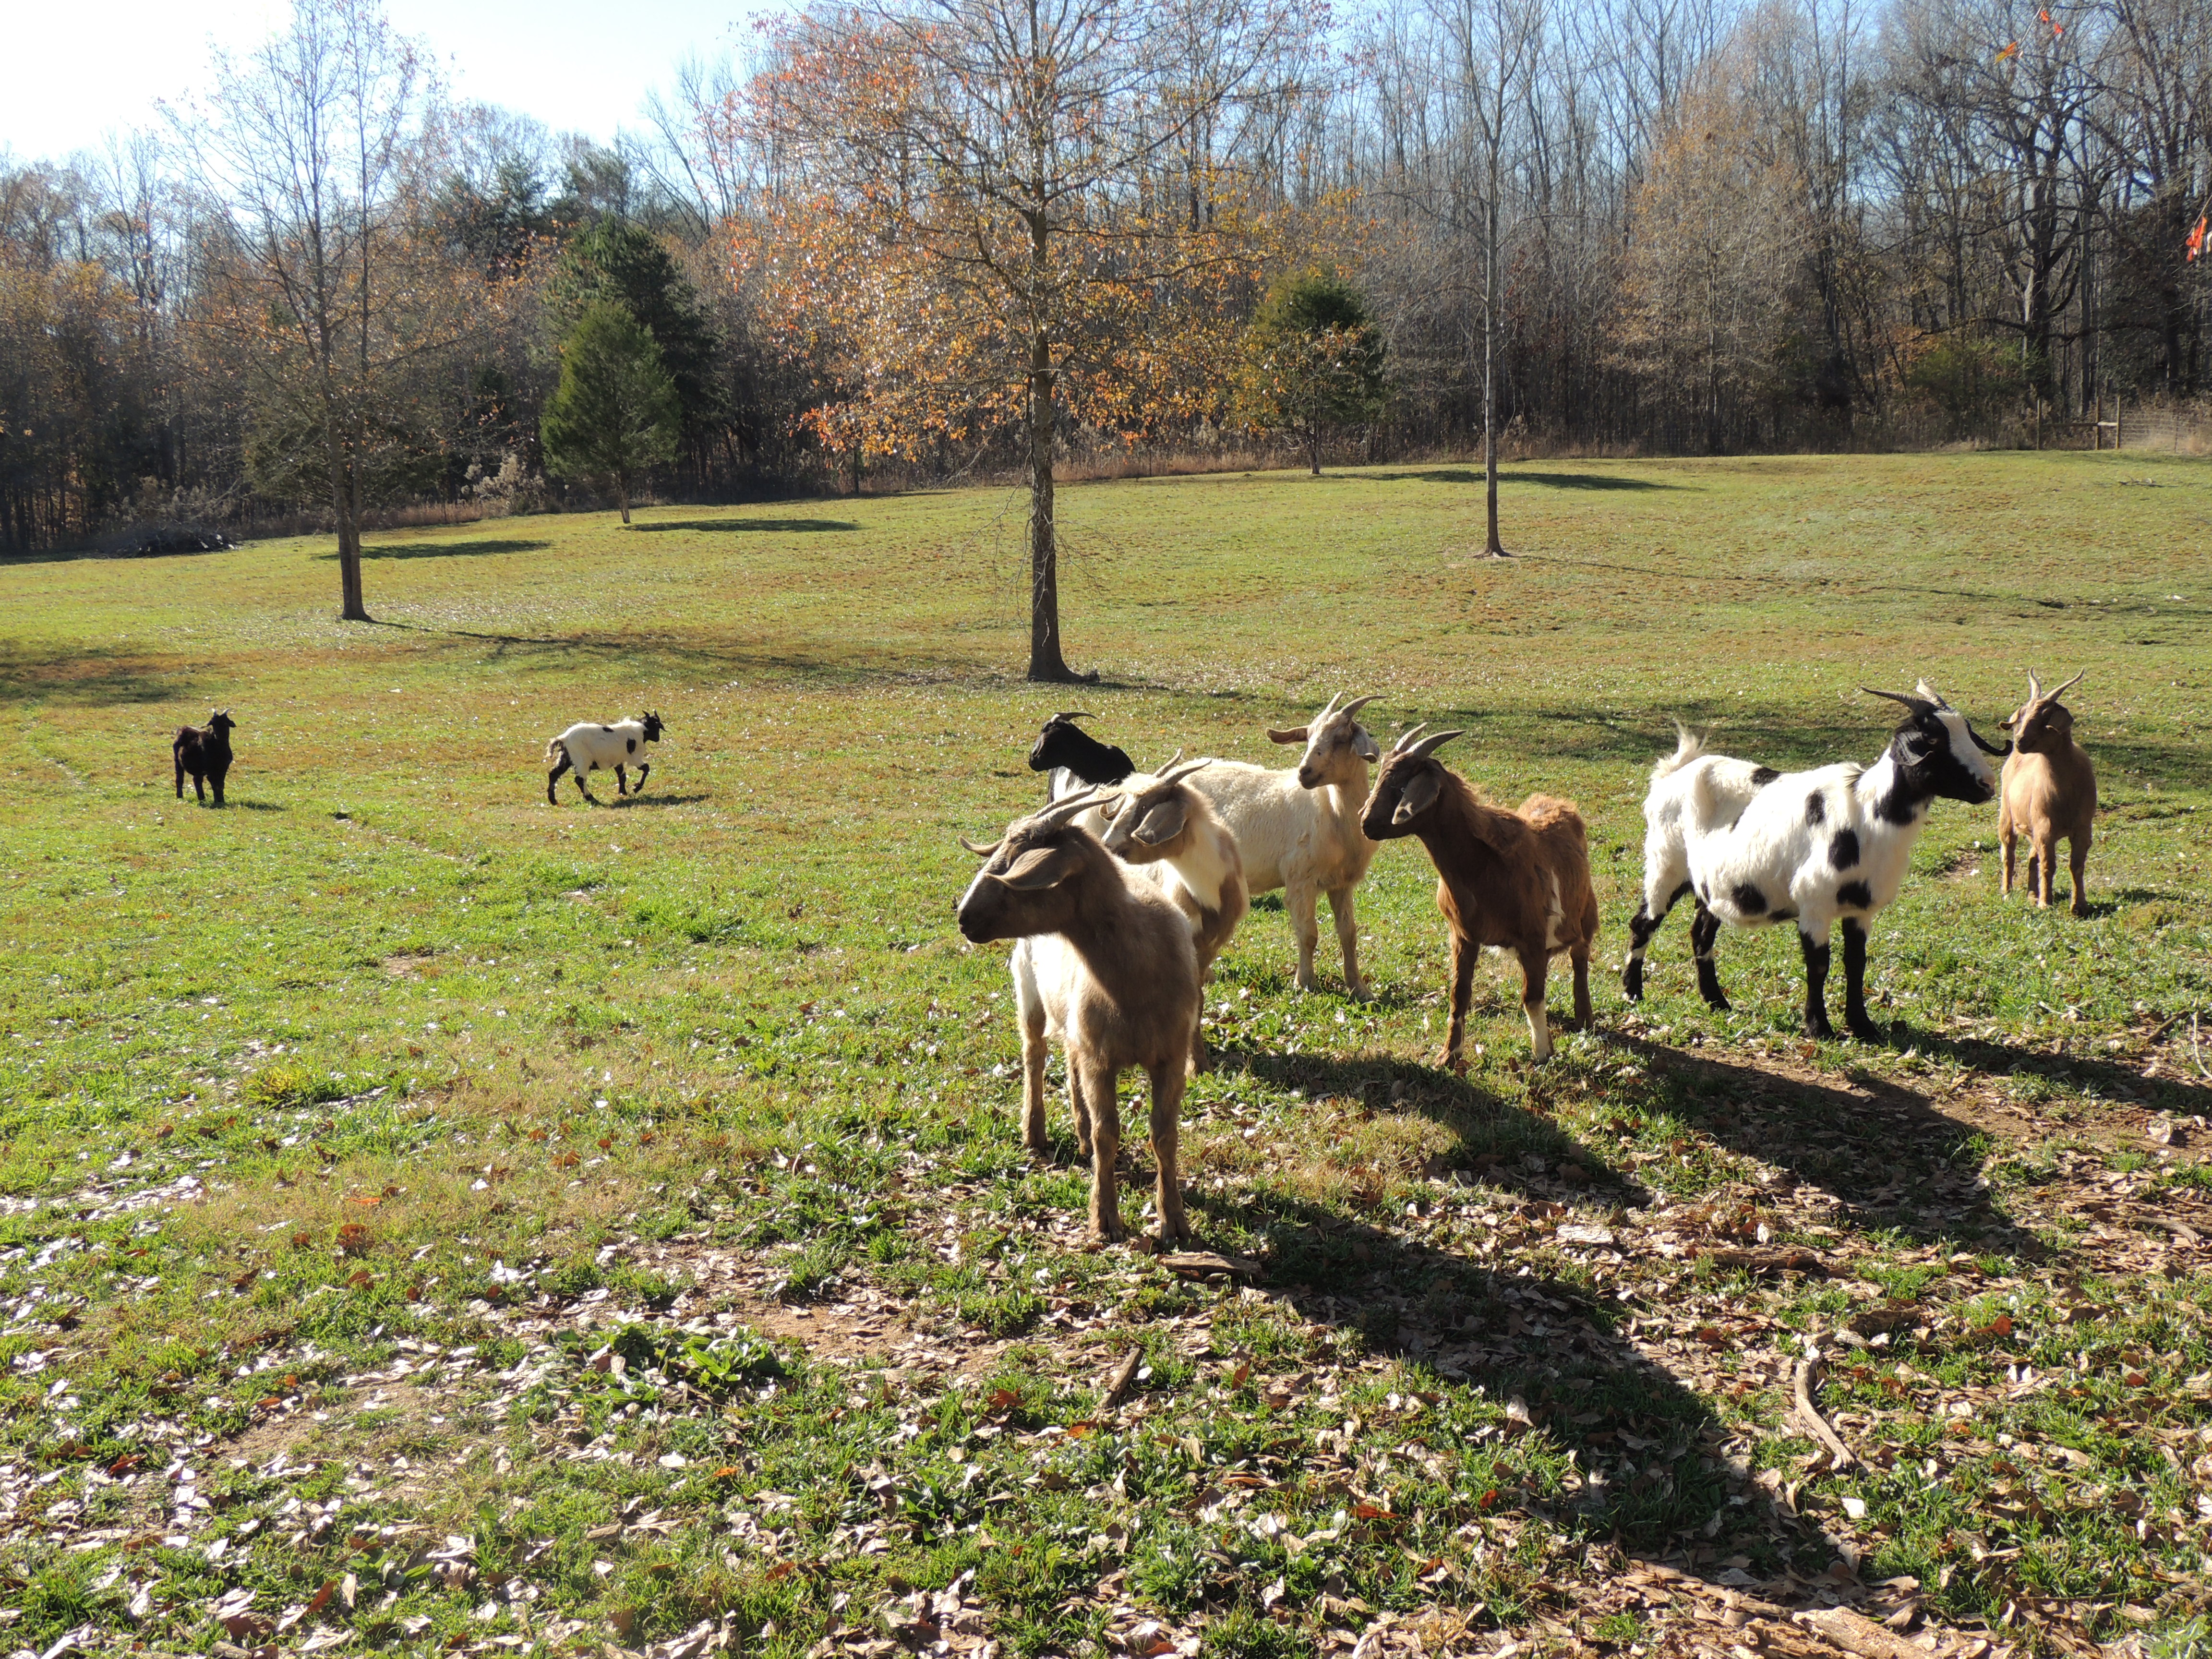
[{"x": 923, "y": 237}]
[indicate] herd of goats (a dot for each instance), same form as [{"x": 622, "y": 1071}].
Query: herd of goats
[{"x": 1122, "y": 892}]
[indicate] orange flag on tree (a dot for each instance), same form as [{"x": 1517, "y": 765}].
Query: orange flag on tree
[
  {"x": 2058, "y": 29},
  {"x": 2195, "y": 243}
]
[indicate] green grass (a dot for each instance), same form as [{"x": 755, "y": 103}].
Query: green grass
[{"x": 349, "y": 1136}]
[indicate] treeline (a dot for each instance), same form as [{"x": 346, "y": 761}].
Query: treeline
[{"x": 1671, "y": 225}]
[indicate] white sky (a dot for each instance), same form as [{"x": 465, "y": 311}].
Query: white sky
[{"x": 81, "y": 69}]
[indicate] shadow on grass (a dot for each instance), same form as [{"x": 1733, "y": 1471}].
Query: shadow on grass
[
  {"x": 1467, "y": 474},
  {"x": 713, "y": 526},
  {"x": 79, "y": 675},
  {"x": 1551, "y": 1345},
  {"x": 660, "y": 800},
  {"x": 483, "y": 545},
  {"x": 1888, "y": 1154}
]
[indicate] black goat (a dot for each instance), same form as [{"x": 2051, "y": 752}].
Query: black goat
[
  {"x": 205, "y": 753},
  {"x": 1069, "y": 753}
]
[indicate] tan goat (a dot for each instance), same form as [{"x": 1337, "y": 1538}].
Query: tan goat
[
  {"x": 1165, "y": 825},
  {"x": 1104, "y": 961},
  {"x": 2050, "y": 794}
]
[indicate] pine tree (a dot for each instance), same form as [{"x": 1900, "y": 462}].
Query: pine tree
[
  {"x": 615, "y": 414},
  {"x": 1313, "y": 359}
]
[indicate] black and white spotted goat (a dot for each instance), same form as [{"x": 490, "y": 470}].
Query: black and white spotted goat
[
  {"x": 588, "y": 747},
  {"x": 1757, "y": 847}
]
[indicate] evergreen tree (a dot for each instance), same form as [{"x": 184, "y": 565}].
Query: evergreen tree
[
  {"x": 615, "y": 414},
  {"x": 1313, "y": 359},
  {"x": 618, "y": 261}
]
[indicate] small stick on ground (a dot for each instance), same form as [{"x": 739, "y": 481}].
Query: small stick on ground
[
  {"x": 1124, "y": 1375},
  {"x": 1808, "y": 1376},
  {"x": 1855, "y": 1634}
]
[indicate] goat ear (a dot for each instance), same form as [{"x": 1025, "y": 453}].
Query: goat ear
[
  {"x": 1286, "y": 734},
  {"x": 1041, "y": 867},
  {"x": 1163, "y": 824},
  {"x": 1418, "y": 797},
  {"x": 1363, "y": 744}
]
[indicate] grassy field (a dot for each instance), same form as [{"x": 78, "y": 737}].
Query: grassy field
[{"x": 434, "y": 1221}]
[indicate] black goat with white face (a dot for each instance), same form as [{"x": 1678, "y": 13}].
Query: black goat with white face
[{"x": 1074, "y": 757}]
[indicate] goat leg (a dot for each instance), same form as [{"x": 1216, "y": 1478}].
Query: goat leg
[
  {"x": 1816, "y": 952},
  {"x": 1300, "y": 902},
  {"x": 1167, "y": 1139},
  {"x": 2077, "y": 848},
  {"x": 1340, "y": 906},
  {"x": 2010, "y": 838},
  {"x": 1535, "y": 964},
  {"x": 1034, "y": 1052},
  {"x": 1704, "y": 928},
  {"x": 621, "y": 782},
  {"x": 178, "y": 756},
  {"x": 1105, "y": 1151},
  {"x": 1854, "y": 1010},
  {"x": 1641, "y": 926},
  {"x": 641, "y": 771},
  {"x": 554, "y": 777},
  {"x": 1585, "y": 1018},
  {"x": 1464, "y": 953},
  {"x": 216, "y": 778}
]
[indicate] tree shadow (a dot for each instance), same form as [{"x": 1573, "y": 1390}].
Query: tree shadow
[
  {"x": 1466, "y": 475},
  {"x": 79, "y": 675},
  {"x": 713, "y": 526},
  {"x": 1887, "y": 1154},
  {"x": 483, "y": 545},
  {"x": 2082, "y": 1073}
]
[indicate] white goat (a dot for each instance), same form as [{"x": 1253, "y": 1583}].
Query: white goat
[
  {"x": 1161, "y": 823},
  {"x": 587, "y": 748},
  {"x": 1813, "y": 847},
  {"x": 1104, "y": 961},
  {"x": 1298, "y": 828},
  {"x": 1730, "y": 784}
]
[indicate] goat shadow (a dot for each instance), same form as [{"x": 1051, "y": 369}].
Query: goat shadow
[{"x": 634, "y": 799}]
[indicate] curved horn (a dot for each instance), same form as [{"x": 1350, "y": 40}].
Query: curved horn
[
  {"x": 1985, "y": 744},
  {"x": 1358, "y": 703},
  {"x": 1179, "y": 772},
  {"x": 2035, "y": 686},
  {"x": 982, "y": 851},
  {"x": 1924, "y": 690},
  {"x": 1167, "y": 765},
  {"x": 1436, "y": 740},
  {"x": 1072, "y": 715},
  {"x": 2052, "y": 696},
  {"x": 1917, "y": 705},
  {"x": 1068, "y": 808},
  {"x": 1407, "y": 736}
]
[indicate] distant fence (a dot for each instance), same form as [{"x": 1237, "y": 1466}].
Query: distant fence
[{"x": 2177, "y": 428}]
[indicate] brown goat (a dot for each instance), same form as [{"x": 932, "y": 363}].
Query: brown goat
[
  {"x": 2050, "y": 794},
  {"x": 1517, "y": 881},
  {"x": 1104, "y": 961},
  {"x": 1164, "y": 825}
]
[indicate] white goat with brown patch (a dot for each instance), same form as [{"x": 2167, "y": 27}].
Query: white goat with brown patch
[
  {"x": 1162, "y": 824},
  {"x": 1104, "y": 961},
  {"x": 2050, "y": 794}
]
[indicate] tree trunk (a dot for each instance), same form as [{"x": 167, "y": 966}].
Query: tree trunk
[
  {"x": 1313, "y": 433},
  {"x": 622, "y": 497},
  {"x": 1493, "y": 547},
  {"x": 1046, "y": 664},
  {"x": 345, "y": 507}
]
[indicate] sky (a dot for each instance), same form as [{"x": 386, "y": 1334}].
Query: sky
[{"x": 577, "y": 65}]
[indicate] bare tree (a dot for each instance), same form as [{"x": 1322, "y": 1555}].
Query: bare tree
[{"x": 299, "y": 156}]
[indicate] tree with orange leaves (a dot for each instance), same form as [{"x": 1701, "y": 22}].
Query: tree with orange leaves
[{"x": 1010, "y": 201}]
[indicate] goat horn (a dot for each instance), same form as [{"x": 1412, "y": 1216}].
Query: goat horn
[
  {"x": 1328, "y": 708},
  {"x": 982, "y": 851},
  {"x": 2053, "y": 696},
  {"x": 1068, "y": 808},
  {"x": 1358, "y": 703},
  {"x": 1073, "y": 714},
  {"x": 1407, "y": 736},
  {"x": 1162, "y": 769},
  {"x": 1917, "y": 705},
  {"x": 1983, "y": 743},
  {"x": 1436, "y": 740},
  {"x": 1933, "y": 695},
  {"x": 1180, "y": 772},
  {"x": 2034, "y": 687}
]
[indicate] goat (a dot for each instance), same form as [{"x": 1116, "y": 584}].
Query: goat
[
  {"x": 205, "y": 753},
  {"x": 1731, "y": 783},
  {"x": 1817, "y": 847},
  {"x": 1104, "y": 960},
  {"x": 1516, "y": 881},
  {"x": 587, "y": 748},
  {"x": 1162, "y": 824},
  {"x": 2050, "y": 794},
  {"x": 1298, "y": 828},
  {"x": 1072, "y": 755}
]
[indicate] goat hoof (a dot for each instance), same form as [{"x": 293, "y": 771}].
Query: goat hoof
[{"x": 1865, "y": 1031}]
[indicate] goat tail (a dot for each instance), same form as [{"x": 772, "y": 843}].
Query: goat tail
[{"x": 1688, "y": 746}]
